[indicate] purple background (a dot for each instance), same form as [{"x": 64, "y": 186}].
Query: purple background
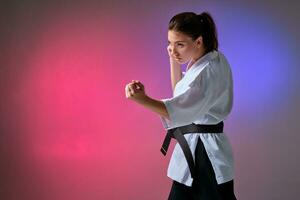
[{"x": 67, "y": 130}]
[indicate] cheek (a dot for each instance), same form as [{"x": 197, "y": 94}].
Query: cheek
[{"x": 186, "y": 52}]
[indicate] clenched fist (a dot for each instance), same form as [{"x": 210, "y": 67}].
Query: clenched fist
[{"x": 135, "y": 91}]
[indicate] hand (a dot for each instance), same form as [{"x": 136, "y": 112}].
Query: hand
[
  {"x": 135, "y": 91},
  {"x": 173, "y": 61}
]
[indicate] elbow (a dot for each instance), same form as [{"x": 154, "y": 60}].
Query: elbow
[
  {"x": 164, "y": 111},
  {"x": 166, "y": 115}
]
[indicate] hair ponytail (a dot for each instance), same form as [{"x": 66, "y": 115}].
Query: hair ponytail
[
  {"x": 194, "y": 26},
  {"x": 209, "y": 31}
]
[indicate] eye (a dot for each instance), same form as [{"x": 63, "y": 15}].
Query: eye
[{"x": 180, "y": 45}]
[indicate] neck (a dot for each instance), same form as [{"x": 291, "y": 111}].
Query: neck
[
  {"x": 197, "y": 57},
  {"x": 199, "y": 54}
]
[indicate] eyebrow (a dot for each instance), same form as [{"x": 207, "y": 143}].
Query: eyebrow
[{"x": 177, "y": 41}]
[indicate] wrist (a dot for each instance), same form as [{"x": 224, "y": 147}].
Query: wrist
[
  {"x": 143, "y": 100},
  {"x": 173, "y": 62}
]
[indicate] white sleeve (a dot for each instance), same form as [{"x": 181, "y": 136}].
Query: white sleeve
[{"x": 195, "y": 102}]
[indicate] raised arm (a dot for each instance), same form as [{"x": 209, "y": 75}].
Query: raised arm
[
  {"x": 136, "y": 91},
  {"x": 176, "y": 73},
  {"x": 175, "y": 69}
]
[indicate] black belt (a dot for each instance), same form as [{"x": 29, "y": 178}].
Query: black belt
[{"x": 178, "y": 133}]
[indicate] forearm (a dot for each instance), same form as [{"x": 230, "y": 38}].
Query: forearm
[
  {"x": 154, "y": 105},
  {"x": 176, "y": 74}
]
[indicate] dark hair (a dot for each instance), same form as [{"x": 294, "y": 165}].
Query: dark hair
[{"x": 194, "y": 26}]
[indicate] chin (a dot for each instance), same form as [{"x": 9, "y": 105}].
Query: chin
[{"x": 183, "y": 61}]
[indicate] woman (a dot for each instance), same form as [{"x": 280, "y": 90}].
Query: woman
[{"x": 201, "y": 165}]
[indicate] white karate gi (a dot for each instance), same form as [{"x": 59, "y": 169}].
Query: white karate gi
[{"x": 204, "y": 95}]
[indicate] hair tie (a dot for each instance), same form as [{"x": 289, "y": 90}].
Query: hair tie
[{"x": 201, "y": 18}]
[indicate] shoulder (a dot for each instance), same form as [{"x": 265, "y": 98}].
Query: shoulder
[
  {"x": 212, "y": 67},
  {"x": 219, "y": 63},
  {"x": 215, "y": 71}
]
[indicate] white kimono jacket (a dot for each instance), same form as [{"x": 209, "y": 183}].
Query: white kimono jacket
[{"x": 204, "y": 95}]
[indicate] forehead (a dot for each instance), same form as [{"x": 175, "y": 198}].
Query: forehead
[{"x": 174, "y": 36}]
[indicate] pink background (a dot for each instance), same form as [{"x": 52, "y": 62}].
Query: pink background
[{"x": 67, "y": 130}]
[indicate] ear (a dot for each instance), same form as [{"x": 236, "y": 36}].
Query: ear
[{"x": 199, "y": 41}]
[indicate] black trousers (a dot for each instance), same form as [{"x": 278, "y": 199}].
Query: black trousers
[{"x": 204, "y": 186}]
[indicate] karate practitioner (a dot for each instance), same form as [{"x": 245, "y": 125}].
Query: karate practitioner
[{"x": 201, "y": 166}]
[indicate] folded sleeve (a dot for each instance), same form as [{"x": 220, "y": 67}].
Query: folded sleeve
[{"x": 195, "y": 102}]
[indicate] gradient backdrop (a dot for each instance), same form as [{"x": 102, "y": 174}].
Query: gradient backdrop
[{"x": 67, "y": 130}]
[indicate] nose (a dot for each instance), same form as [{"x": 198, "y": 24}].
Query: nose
[{"x": 173, "y": 51}]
